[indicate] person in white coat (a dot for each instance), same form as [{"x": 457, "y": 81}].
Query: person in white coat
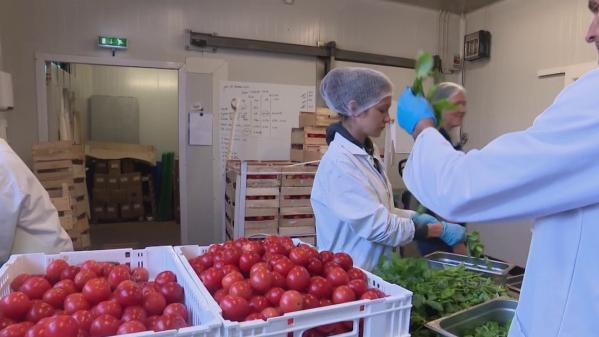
[
  {"x": 352, "y": 197},
  {"x": 549, "y": 172},
  {"x": 28, "y": 220}
]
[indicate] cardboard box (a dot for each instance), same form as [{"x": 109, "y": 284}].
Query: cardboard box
[
  {"x": 114, "y": 166},
  {"x": 127, "y": 211},
  {"x": 127, "y": 166},
  {"x": 112, "y": 182},
  {"x": 124, "y": 181},
  {"x": 135, "y": 195},
  {"x": 101, "y": 195},
  {"x": 112, "y": 212},
  {"x": 101, "y": 167},
  {"x": 135, "y": 179},
  {"x": 119, "y": 196},
  {"x": 100, "y": 181},
  {"x": 98, "y": 211},
  {"x": 137, "y": 208}
]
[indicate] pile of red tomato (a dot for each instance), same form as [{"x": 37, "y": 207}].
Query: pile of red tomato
[
  {"x": 95, "y": 299},
  {"x": 260, "y": 279}
]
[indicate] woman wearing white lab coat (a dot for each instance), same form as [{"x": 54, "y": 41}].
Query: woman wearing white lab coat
[
  {"x": 352, "y": 197},
  {"x": 549, "y": 172},
  {"x": 28, "y": 220}
]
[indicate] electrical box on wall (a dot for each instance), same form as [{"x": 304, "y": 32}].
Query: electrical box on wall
[{"x": 477, "y": 45}]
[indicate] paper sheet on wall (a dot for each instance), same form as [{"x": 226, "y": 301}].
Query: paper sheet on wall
[
  {"x": 402, "y": 142},
  {"x": 256, "y": 119},
  {"x": 200, "y": 128}
]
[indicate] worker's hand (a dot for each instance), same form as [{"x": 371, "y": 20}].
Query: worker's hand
[
  {"x": 453, "y": 233},
  {"x": 412, "y": 109},
  {"x": 460, "y": 248},
  {"x": 427, "y": 226},
  {"x": 424, "y": 219}
]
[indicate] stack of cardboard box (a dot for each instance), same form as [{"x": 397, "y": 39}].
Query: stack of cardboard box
[{"x": 117, "y": 192}]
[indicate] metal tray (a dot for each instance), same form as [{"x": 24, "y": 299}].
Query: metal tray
[
  {"x": 514, "y": 283},
  {"x": 500, "y": 310},
  {"x": 495, "y": 269}
]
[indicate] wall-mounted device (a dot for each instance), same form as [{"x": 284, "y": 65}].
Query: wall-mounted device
[
  {"x": 477, "y": 45},
  {"x": 6, "y": 92},
  {"x": 113, "y": 43}
]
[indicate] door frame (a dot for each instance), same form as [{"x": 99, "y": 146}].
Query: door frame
[{"x": 42, "y": 109}]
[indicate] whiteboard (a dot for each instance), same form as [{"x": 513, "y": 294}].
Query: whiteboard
[{"x": 256, "y": 118}]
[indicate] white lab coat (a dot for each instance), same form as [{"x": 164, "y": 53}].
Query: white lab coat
[
  {"x": 28, "y": 220},
  {"x": 353, "y": 206},
  {"x": 549, "y": 172}
]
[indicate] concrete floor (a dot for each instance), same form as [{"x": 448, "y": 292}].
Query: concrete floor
[{"x": 134, "y": 234}]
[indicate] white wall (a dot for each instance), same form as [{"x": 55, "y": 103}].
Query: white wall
[
  {"x": 156, "y": 32},
  {"x": 156, "y": 92},
  {"x": 505, "y": 94}
]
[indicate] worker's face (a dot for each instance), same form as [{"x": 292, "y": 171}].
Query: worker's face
[
  {"x": 454, "y": 118},
  {"x": 374, "y": 120},
  {"x": 593, "y": 33}
]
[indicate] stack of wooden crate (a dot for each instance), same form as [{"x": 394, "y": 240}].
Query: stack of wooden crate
[
  {"x": 308, "y": 142},
  {"x": 60, "y": 167},
  {"x": 269, "y": 198}
]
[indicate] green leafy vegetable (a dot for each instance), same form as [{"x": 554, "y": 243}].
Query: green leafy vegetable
[
  {"x": 475, "y": 247},
  {"x": 436, "y": 292},
  {"x": 489, "y": 329}
]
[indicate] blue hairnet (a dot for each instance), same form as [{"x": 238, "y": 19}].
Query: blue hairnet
[{"x": 351, "y": 91}]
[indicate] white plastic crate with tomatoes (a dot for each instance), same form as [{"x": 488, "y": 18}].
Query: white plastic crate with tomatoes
[
  {"x": 279, "y": 287},
  {"x": 144, "y": 292}
]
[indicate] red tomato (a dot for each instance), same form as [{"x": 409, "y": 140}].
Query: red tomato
[
  {"x": 134, "y": 313},
  {"x": 343, "y": 294},
  {"x": 344, "y": 260},
  {"x": 84, "y": 318},
  {"x": 110, "y": 307},
  {"x": 310, "y": 301},
  {"x": 261, "y": 280},
  {"x": 229, "y": 268},
  {"x": 254, "y": 316},
  {"x": 231, "y": 278},
  {"x": 313, "y": 333},
  {"x": 271, "y": 312},
  {"x": 176, "y": 309},
  {"x": 241, "y": 289},
  {"x": 17, "y": 282},
  {"x": 154, "y": 303},
  {"x": 219, "y": 294},
  {"x": 298, "y": 278},
  {"x": 55, "y": 297},
  {"x": 231, "y": 255},
  {"x": 299, "y": 256},
  {"x": 278, "y": 280},
  {"x": 328, "y": 266},
  {"x": 274, "y": 295},
  {"x": 93, "y": 266},
  {"x": 282, "y": 266},
  {"x": 198, "y": 268},
  {"x": 128, "y": 294},
  {"x": 165, "y": 277},
  {"x": 131, "y": 327},
  {"x": 5, "y": 321},
  {"x": 247, "y": 260},
  {"x": 35, "y": 287},
  {"x": 215, "y": 248},
  {"x": 234, "y": 308},
  {"x": 206, "y": 259},
  {"x": 38, "y": 330},
  {"x": 315, "y": 266},
  {"x": 173, "y": 292},
  {"x": 149, "y": 287},
  {"x": 103, "y": 326},
  {"x": 258, "y": 266},
  {"x": 320, "y": 287},
  {"x": 369, "y": 295},
  {"x": 337, "y": 276},
  {"x": 106, "y": 268},
  {"x": 291, "y": 300},
  {"x": 170, "y": 322},
  {"x": 252, "y": 247},
  {"x": 275, "y": 248},
  {"x": 258, "y": 303},
  {"x": 117, "y": 275},
  {"x": 75, "y": 302},
  {"x": 39, "y": 310},
  {"x": 287, "y": 243},
  {"x": 326, "y": 256},
  {"x": 325, "y": 302},
  {"x": 15, "y": 305},
  {"x": 54, "y": 270},
  {"x": 62, "y": 326},
  {"x": 127, "y": 284},
  {"x": 140, "y": 274},
  {"x": 359, "y": 286},
  {"x": 212, "y": 278},
  {"x": 83, "y": 276},
  {"x": 69, "y": 273},
  {"x": 16, "y": 330},
  {"x": 67, "y": 284},
  {"x": 356, "y": 274},
  {"x": 96, "y": 290},
  {"x": 151, "y": 322}
]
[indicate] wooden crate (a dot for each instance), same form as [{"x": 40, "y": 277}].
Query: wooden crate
[
  {"x": 261, "y": 197},
  {"x": 59, "y": 169},
  {"x": 307, "y": 153},
  {"x": 298, "y": 176},
  {"x": 319, "y": 118},
  {"x": 295, "y": 196},
  {"x": 297, "y": 231},
  {"x": 309, "y": 135},
  {"x": 296, "y": 216},
  {"x": 261, "y": 221},
  {"x": 57, "y": 151}
]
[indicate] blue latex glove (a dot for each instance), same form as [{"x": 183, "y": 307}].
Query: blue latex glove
[
  {"x": 453, "y": 233},
  {"x": 424, "y": 219},
  {"x": 411, "y": 109}
]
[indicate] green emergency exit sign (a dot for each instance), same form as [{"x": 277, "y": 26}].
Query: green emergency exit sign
[{"x": 112, "y": 42}]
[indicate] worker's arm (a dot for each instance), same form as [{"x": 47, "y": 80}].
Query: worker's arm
[
  {"x": 551, "y": 167},
  {"x": 10, "y": 201}
]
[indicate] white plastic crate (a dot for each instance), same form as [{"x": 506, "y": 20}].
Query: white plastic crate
[
  {"x": 204, "y": 322},
  {"x": 384, "y": 317}
]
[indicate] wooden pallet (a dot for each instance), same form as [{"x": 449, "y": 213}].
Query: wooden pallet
[
  {"x": 296, "y": 216},
  {"x": 295, "y": 196},
  {"x": 57, "y": 151},
  {"x": 309, "y": 135}
]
